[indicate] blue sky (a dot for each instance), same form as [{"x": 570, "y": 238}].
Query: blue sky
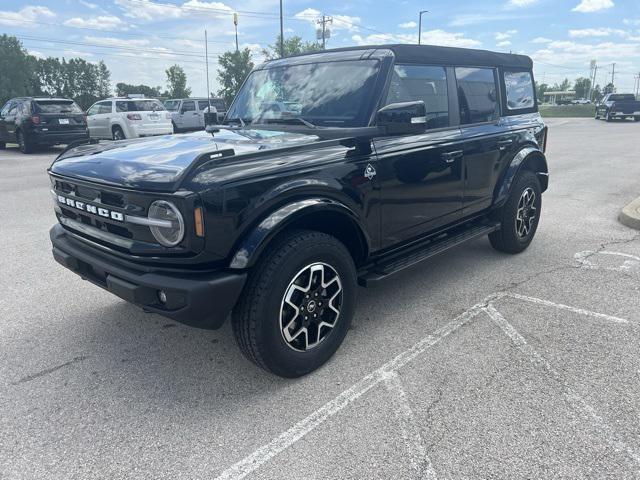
[{"x": 139, "y": 39}]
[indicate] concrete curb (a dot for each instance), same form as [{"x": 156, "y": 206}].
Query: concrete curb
[{"x": 630, "y": 215}]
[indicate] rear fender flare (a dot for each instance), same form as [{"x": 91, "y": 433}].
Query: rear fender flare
[
  {"x": 257, "y": 239},
  {"x": 530, "y": 158}
]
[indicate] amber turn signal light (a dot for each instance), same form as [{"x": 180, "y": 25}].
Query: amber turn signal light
[{"x": 199, "y": 221}]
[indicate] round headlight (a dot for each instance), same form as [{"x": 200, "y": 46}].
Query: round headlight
[{"x": 168, "y": 225}]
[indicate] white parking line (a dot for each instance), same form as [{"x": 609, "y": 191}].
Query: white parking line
[
  {"x": 283, "y": 441},
  {"x": 573, "y": 397},
  {"x": 418, "y": 457},
  {"x": 561, "y": 306},
  {"x": 630, "y": 261},
  {"x": 387, "y": 373}
]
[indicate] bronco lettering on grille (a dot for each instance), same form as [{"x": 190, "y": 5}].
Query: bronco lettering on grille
[{"x": 86, "y": 207}]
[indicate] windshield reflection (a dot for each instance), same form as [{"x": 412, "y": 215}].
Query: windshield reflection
[{"x": 332, "y": 94}]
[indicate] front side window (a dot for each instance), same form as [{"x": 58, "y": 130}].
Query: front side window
[
  {"x": 189, "y": 106},
  {"x": 104, "y": 107},
  {"x": 5, "y": 110},
  {"x": 410, "y": 83},
  {"x": 519, "y": 90},
  {"x": 172, "y": 105},
  {"x": 477, "y": 95},
  {"x": 329, "y": 94},
  {"x": 93, "y": 110}
]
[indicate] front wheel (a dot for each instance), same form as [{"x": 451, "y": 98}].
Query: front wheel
[
  {"x": 297, "y": 305},
  {"x": 608, "y": 117},
  {"x": 519, "y": 216}
]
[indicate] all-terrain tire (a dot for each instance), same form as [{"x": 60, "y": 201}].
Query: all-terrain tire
[
  {"x": 519, "y": 216},
  {"x": 260, "y": 318}
]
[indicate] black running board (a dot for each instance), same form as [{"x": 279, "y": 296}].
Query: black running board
[{"x": 382, "y": 268}]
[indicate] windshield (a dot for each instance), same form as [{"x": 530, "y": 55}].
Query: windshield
[
  {"x": 57, "y": 106},
  {"x": 331, "y": 94},
  {"x": 172, "y": 105}
]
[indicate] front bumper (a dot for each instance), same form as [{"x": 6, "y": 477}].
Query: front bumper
[
  {"x": 56, "y": 138},
  {"x": 202, "y": 300}
]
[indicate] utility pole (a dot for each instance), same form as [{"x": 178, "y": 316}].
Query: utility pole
[
  {"x": 235, "y": 23},
  {"x": 325, "y": 33},
  {"x": 637, "y": 77},
  {"x": 281, "y": 32},
  {"x": 591, "y": 78},
  {"x": 420, "y": 25},
  {"x": 613, "y": 75},
  {"x": 206, "y": 54}
]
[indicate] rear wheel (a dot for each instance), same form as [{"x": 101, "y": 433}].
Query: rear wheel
[
  {"x": 519, "y": 216},
  {"x": 608, "y": 117},
  {"x": 24, "y": 144},
  {"x": 636, "y": 119},
  {"x": 118, "y": 134},
  {"x": 297, "y": 305}
]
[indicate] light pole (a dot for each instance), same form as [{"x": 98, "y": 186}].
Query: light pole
[
  {"x": 420, "y": 25},
  {"x": 235, "y": 23}
]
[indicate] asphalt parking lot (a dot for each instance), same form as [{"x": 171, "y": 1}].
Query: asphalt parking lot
[{"x": 474, "y": 364}]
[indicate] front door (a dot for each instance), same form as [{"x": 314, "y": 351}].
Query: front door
[
  {"x": 189, "y": 114},
  {"x": 420, "y": 176}
]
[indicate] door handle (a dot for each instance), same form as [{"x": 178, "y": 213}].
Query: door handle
[
  {"x": 503, "y": 144},
  {"x": 450, "y": 157}
]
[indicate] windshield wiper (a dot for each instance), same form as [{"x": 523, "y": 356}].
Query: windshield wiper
[
  {"x": 237, "y": 119},
  {"x": 285, "y": 121}
]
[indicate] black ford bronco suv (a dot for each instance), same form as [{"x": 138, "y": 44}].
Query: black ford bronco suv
[{"x": 329, "y": 170}]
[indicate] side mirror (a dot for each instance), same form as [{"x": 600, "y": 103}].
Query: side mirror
[{"x": 403, "y": 118}]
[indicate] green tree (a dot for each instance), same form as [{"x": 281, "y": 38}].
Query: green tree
[
  {"x": 582, "y": 86},
  {"x": 177, "y": 82},
  {"x": 597, "y": 93},
  {"x": 609, "y": 88},
  {"x": 292, "y": 46},
  {"x": 104, "y": 80},
  {"x": 540, "y": 89},
  {"x": 124, "y": 89},
  {"x": 234, "y": 66},
  {"x": 16, "y": 70}
]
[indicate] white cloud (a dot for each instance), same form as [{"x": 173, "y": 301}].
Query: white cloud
[
  {"x": 520, "y": 3},
  {"x": 596, "y": 32},
  {"x": 568, "y": 52},
  {"x": 408, "y": 25},
  {"x": 30, "y": 14},
  {"x": 101, "y": 22},
  {"x": 151, "y": 11},
  {"x": 90, "y": 5},
  {"x": 505, "y": 35},
  {"x": 504, "y": 43},
  {"x": 588, "y": 6},
  {"x": 630, "y": 21},
  {"x": 480, "y": 18},
  {"x": 541, "y": 40},
  {"x": 431, "y": 37}
]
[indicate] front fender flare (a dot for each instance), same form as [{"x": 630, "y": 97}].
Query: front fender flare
[
  {"x": 252, "y": 245},
  {"x": 520, "y": 160}
]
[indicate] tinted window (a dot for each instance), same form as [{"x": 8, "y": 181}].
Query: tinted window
[
  {"x": 57, "y": 106},
  {"x": 334, "y": 94},
  {"x": 477, "y": 95},
  {"x": 13, "y": 109},
  {"x": 5, "y": 109},
  {"x": 203, "y": 104},
  {"x": 218, "y": 103},
  {"x": 519, "y": 89},
  {"x": 417, "y": 82},
  {"x": 138, "y": 106},
  {"x": 188, "y": 106},
  {"x": 172, "y": 105}
]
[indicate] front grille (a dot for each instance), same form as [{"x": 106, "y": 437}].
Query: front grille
[{"x": 108, "y": 221}]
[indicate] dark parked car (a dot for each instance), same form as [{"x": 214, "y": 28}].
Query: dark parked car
[
  {"x": 618, "y": 105},
  {"x": 41, "y": 121},
  {"x": 384, "y": 157}
]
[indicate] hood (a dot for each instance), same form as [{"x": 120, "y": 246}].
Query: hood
[{"x": 158, "y": 163}]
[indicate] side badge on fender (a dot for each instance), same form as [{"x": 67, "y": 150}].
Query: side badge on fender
[{"x": 369, "y": 172}]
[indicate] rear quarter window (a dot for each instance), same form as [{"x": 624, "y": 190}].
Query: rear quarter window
[{"x": 519, "y": 90}]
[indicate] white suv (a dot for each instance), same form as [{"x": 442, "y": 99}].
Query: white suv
[{"x": 120, "y": 118}]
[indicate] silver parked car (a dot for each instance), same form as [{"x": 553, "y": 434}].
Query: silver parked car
[{"x": 188, "y": 113}]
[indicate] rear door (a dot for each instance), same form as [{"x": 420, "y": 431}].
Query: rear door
[
  {"x": 420, "y": 175},
  {"x": 4, "y": 112},
  {"x": 59, "y": 116},
  {"x": 487, "y": 140}
]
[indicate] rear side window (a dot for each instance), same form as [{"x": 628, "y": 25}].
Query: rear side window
[
  {"x": 203, "y": 105},
  {"x": 57, "y": 106},
  {"x": 410, "y": 83},
  {"x": 477, "y": 95},
  {"x": 138, "y": 106},
  {"x": 519, "y": 90}
]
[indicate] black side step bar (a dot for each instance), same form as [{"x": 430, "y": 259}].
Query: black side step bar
[{"x": 391, "y": 264}]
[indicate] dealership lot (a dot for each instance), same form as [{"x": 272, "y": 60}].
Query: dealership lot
[{"x": 474, "y": 364}]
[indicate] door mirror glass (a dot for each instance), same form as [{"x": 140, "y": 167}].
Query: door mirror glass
[{"x": 403, "y": 118}]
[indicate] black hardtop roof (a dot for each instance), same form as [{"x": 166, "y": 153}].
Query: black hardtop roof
[{"x": 432, "y": 54}]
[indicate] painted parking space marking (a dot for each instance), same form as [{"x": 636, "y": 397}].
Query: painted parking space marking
[
  {"x": 572, "y": 397},
  {"x": 387, "y": 376},
  {"x": 629, "y": 262}
]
